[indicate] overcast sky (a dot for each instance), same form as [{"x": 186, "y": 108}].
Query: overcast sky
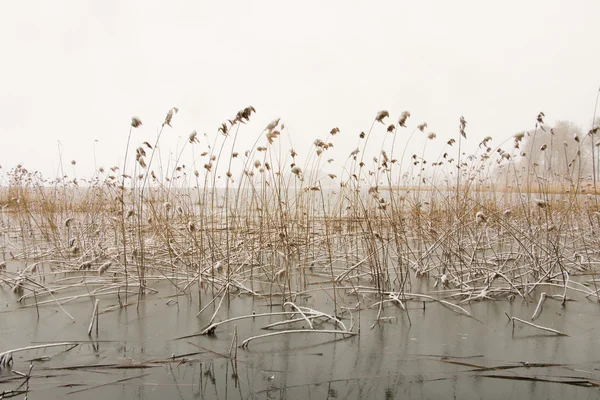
[{"x": 76, "y": 71}]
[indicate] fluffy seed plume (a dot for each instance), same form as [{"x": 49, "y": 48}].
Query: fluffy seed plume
[
  {"x": 272, "y": 125},
  {"x": 381, "y": 115},
  {"x": 244, "y": 115},
  {"x": 136, "y": 122},
  {"x": 403, "y": 117},
  {"x": 519, "y": 136},
  {"x": 463, "y": 125},
  {"x": 271, "y": 136},
  {"x": 169, "y": 116},
  {"x": 192, "y": 138},
  {"x": 223, "y": 129},
  {"x": 540, "y": 117},
  {"x": 485, "y": 141}
]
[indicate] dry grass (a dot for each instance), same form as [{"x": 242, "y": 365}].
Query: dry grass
[{"x": 279, "y": 225}]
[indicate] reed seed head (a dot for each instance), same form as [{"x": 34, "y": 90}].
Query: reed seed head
[
  {"x": 272, "y": 125},
  {"x": 540, "y": 117},
  {"x": 192, "y": 138},
  {"x": 463, "y": 124},
  {"x": 136, "y": 122},
  {"x": 169, "y": 116},
  {"x": 404, "y": 115},
  {"x": 272, "y": 135},
  {"x": 381, "y": 115}
]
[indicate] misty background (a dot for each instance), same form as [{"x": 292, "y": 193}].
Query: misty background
[{"x": 75, "y": 72}]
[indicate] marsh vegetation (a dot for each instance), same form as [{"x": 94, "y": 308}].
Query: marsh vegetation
[{"x": 246, "y": 253}]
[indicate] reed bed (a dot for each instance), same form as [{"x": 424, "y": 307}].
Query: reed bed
[{"x": 386, "y": 229}]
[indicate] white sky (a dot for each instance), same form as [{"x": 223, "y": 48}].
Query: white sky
[{"x": 76, "y": 71}]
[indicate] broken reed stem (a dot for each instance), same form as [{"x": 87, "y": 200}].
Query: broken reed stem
[
  {"x": 37, "y": 309},
  {"x": 211, "y": 328},
  {"x": 564, "y": 300},
  {"x": 6, "y": 356},
  {"x": 247, "y": 341},
  {"x": 221, "y": 290},
  {"x": 543, "y": 328},
  {"x": 233, "y": 341},
  {"x": 94, "y": 317},
  {"x": 219, "y": 306},
  {"x": 299, "y": 311},
  {"x": 97, "y": 316},
  {"x": 289, "y": 321},
  {"x": 539, "y": 308},
  {"x": 452, "y": 306}
]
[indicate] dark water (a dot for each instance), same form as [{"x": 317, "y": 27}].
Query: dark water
[{"x": 392, "y": 360}]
